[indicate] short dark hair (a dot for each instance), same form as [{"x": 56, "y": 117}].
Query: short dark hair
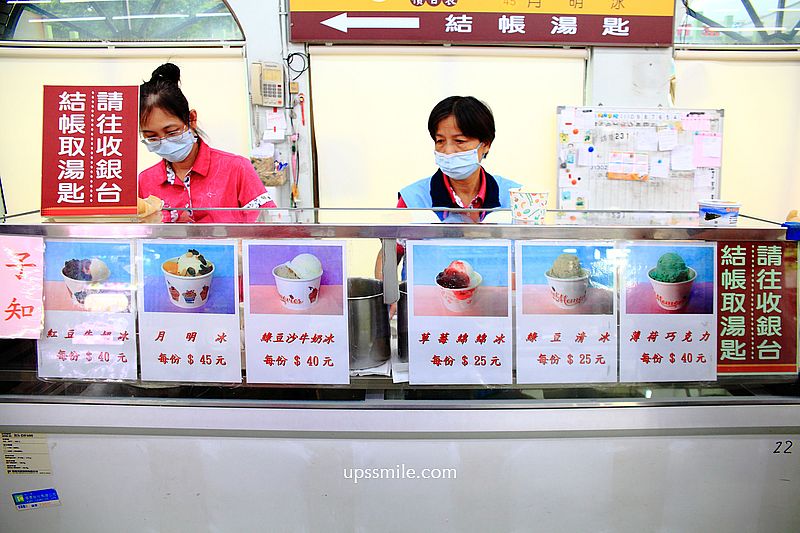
[
  {"x": 472, "y": 116},
  {"x": 163, "y": 91}
]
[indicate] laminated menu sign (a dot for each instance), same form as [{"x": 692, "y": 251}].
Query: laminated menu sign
[
  {"x": 757, "y": 284},
  {"x": 668, "y": 326},
  {"x": 459, "y": 312},
  {"x": 295, "y": 316},
  {"x": 21, "y": 278},
  {"x": 89, "y": 328},
  {"x": 89, "y": 150},
  {"x": 566, "y": 316},
  {"x": 189, "y": 311}
]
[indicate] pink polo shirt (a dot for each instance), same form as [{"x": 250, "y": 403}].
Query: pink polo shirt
[{"x": 217, "y": 179}]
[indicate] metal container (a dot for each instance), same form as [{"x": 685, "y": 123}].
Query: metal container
[
  {"x": 369, "y": 323},
  {"x": 402, "y": 324}
]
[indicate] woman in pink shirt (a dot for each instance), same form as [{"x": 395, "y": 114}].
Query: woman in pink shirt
[{"x": 192, "y": 176}]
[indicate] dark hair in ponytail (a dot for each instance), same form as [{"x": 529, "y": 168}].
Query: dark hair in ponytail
[{"x": 163, "y": 91}]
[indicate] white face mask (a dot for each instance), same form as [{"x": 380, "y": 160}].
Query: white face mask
[
  {"x": 460, "y": 165},
  {"x": 175, "y": 149}
]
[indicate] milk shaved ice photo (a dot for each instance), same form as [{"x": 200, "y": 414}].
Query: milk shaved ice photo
[
  {"x": 297, "y": 281},
  {"x": 672, "y": 281},
  {"x": 188, "y": 279},
  {"x": 458, "y": 284},
  {"x": 84, "y": 277},
  {"x": 568, "y": 281}
]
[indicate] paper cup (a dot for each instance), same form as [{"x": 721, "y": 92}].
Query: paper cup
[
  {"x": 187, "y": 292},
  {"x": 528, "y": 207},
  {"x": 80, "y": 289},
  {"x": 297, "y": 294},
  {"x": 568, "y": 293},
  {"x": 459, "y": 300},
  {"x": 673, "y": 296},
  {"x": 718, "y": 213}
]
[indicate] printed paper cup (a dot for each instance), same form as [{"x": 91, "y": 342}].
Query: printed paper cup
[
  {"x": 718, "y": 213},
  {"x": 528, "y": 207},
  {"x": 568, "y": 293},
  {"x": 459, "y": 300},
  {"x": 673, "y": 296},
  {"x": 80, "y": 289},
  {"x": 297, "y": 294},
  {"x": 186, "y": 292}
]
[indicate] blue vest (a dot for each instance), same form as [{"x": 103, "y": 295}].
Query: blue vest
[{"x": 432, "y": 193}]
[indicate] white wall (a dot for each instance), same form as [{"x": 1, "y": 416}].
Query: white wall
[
  {"x": 761, "y": 140},
  {"x": 371, "y": 107},
  {"x": 261, "y": 24}
]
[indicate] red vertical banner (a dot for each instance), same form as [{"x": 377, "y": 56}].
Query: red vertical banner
[
  {"x": 757, "y": 307},
  {"x": 89, "y": 150}
]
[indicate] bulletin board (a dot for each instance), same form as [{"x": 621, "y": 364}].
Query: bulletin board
[{"x": 638, "y": 159}]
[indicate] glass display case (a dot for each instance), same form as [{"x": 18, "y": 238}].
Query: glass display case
[{"x": 504, "y": 376}]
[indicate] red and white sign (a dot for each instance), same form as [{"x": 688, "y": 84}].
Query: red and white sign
[
  {"x": 90, "y": 325},
  {"x": 566, "y": 327},
  {"x": 459, "y": 335},
  {"x": 296, "y": 330},
  {"x": 668, "y": 322},
  {"x": 89, "y": 150},
  {"x": 580, "y": 22},
  {"x": 21, "y": 276},
  {"x": 757, "y": 284}
]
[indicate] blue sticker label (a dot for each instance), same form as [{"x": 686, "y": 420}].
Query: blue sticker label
[{"x": 34, "y": 499}]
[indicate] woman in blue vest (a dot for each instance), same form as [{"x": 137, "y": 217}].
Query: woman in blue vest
[{"x": 462, "y": 129}]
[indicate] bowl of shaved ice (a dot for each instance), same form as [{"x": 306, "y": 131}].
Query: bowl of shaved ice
[
  {"x": 84, "y": 277},
  {"x": 458, "y": 283},
  {"x": 297, "y": 282},
  {"x": 188, "y": 279}
]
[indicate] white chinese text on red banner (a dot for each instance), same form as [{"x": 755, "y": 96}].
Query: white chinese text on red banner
[
  {"x": 89, "y": 150},
  {"x": 578, "y": 22},
  {"x": 757, "y": 307}
]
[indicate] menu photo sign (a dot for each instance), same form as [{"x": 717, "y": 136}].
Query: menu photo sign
[
  {"x": 90, "y": 326},
  {"x": 459, "y": 312},
  {"x": 757, "y": 307},
  {"x": 668, "y": 321},
  {"x": 189, "y": 311},
  {"x": 601, "y": 22},
  {"x": 89, "y": 150},
  {"x": 566, "y": 312},
  {"x": 295, "y": 306}
]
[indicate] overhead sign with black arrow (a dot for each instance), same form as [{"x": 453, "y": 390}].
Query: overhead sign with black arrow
[{"x": 524, "y": 22}]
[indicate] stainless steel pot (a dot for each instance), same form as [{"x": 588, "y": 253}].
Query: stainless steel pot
[
  {"x": 369, "y": 323},
  {"x": 402, "y": 324}
]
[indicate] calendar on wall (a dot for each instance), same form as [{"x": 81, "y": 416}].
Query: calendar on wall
[{"x": 638, "y": 159}]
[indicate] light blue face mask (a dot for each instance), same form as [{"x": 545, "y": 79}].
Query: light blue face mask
[
  {"x": 460, "y": 165},
  {"x": 175, "y": 149}
]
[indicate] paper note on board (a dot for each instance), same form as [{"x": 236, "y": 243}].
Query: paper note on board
[
  {"x": 660, "y": 164},
  {"x": 696, "y": 123},
  {"x": 704, "y": 178},
  {"x": 708, "y": 150},
  {"x": 646, "y": 140},
  {"x": 683, "y": 158},
  {"x": 667, "y": 139},
  {"x": 586, "y": 156}
]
